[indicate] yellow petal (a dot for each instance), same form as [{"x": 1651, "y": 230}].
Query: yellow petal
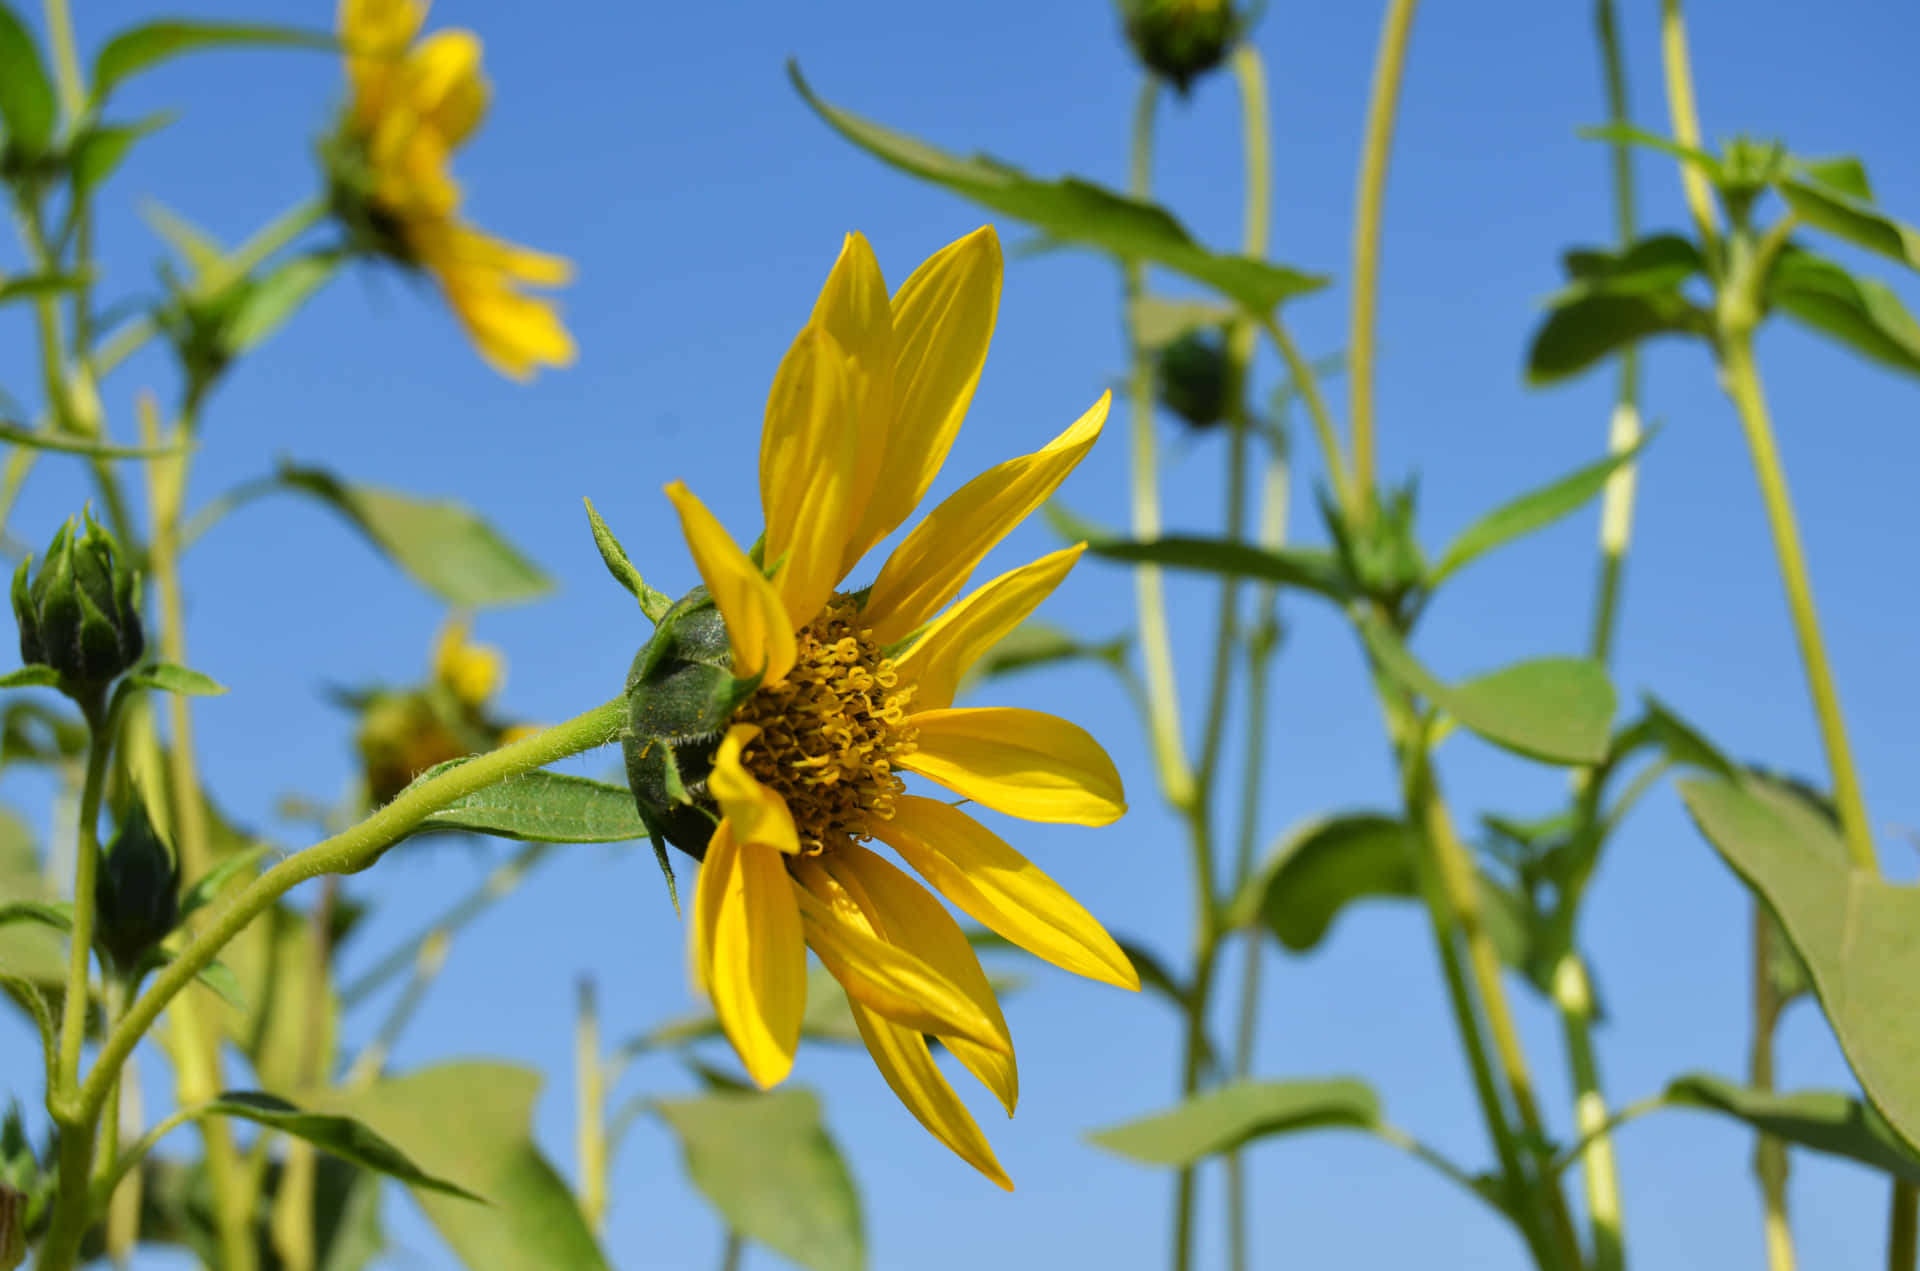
[
  {"x": 902, "y": 1057},
  {"x": 375, "y": 35},
  {"x": 853, "y": 308},
  {"x": 757, "y": 814},
  {"x": 930, "y": 567},
  {"x": 903, "y": 914},
  {"x": 757, "y": 625},
  {"x": 963, "y": 633},
  {"x": 942, "y": 323},
  {"x": 756, "y": 956},
  {"x": 1025, "y": 763},
  {"x": 447, "y": 89},
  {"x": 1000, "y": 889},
  {"x": 883, "y": 976},
  {"x": 806, "y": 472}
]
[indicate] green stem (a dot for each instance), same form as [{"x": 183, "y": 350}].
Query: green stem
[
  {"x": 345, "y": 853},
  {"x": 1741, "y": 379},
  {"x": 1156, "y": 645},
  {"x": 731, "y": 1252},
  {"x": 1307, "y": 384},
  {"x": 1573, "y": 997},
  {"x": 66, "y": 65},
  {"x": 1686, "y": 127},
  {"x": 1903, "y": 1227},
  {"x": 101, "y": 721},
  {"x": 591, "y": 1127},
  {"x": 1769, "y": 1154},
  {"x": 1388, "y": 65}
]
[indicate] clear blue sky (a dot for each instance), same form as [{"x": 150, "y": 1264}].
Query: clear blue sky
[{"x": 660, "y": 148}]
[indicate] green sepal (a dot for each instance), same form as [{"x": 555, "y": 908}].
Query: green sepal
[
  {"x": 681, "y": 691},
  {"x": 137, "y": 892},
  {"x": 653, "y": 603}
]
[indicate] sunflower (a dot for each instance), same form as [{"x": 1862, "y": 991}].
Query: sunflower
[
  {"x": 835, "y": 695},
  {"x": 413, "y": 103}
]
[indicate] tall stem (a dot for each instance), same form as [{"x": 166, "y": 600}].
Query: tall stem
[
  {"x": 1387, "y": 67},
  {"x": 1769, "y": 1154},
  {"x": 86, "y": 867},
  {"x": 1685, "y": 119},
  {"x": 1903, "y": 1228},
  {"x": 590, "y": 1095}
]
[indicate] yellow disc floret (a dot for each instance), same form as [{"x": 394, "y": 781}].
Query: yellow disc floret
[{"x": 832, "y": 732}]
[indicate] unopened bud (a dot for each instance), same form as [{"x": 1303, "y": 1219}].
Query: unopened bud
[
  {"x": 137, "y": 892},
  {"x": 1182, "y": 39},
  {"x": 1195, "y": 378},
  {"x": 80, "y": 614}
]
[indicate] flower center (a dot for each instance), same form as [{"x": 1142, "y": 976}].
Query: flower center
[{"x": 831, "y": 732}]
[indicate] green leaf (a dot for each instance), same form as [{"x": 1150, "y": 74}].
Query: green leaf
[
  {"x": 1556, "y": 710},
  {"x": 1682, "y": 742},
  {"x": 545, "y": 807},
  {"x": 766, "y": 1163},
  {"x": 26, "y": 94},
  {"x": 1155, "y": 975},
  {"x": 1658, "y": 262},
  {"x": 57, "y": 914},
  {"x": 34, "y": 286},
  {"x": 1627, "y": 135},
  {"x": 1320, "y": 868},
  {"x": 1587, "y": 328},
  {"x": 139, "y": 48},
  {"x": 1234, "y": 1115},
  {"x": 195, "y": 246},
  {"x": 1858, "y": 935},
  {"x": 1072, "y": 211},
  {"x": 276, "y": 297},
  {"x": 1158, "y": 320},
  {"x": 441, "y": 545},
  {"x": 470, "y": 1123},
  {"x": 1864, "y": 315},
  {"x": 169, "y": 678},
  {"x": 35, "y": 676},
  {"x": 1533, "y": 511},
  {"x": 1841, "y": 173},
  {"x": 218, "y": 977},
  {"x": 66, "y": 443},
  {"x": 100, "y": 149},
  {"x": 652, "y": 603},
  {"x": 1820, "y": 1120},
  {"x": 342, "y": 1136},
  {"x": 1854, "y": 220},
  {"x": 209, "y": 886},
  {"x": 1035, "y": 644},
  {"x": 1313, "y": 571}
]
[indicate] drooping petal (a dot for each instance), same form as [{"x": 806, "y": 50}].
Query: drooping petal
[
  {"x": 883, "y": 976},
  {"x": 1000, "y": 889},
  {"x": 903, "y": 1059},
  {"x": 807, "y": 448},
  {"x": 480, "y": 276},
  {"x": 756, "y": 955},
  {"x": 933, "y": 563},
  {"x": 757, "y": 814},
  {"x": 376, "y": 35},
  {"x": 757, "y": 623},
  {"x": 448, "y": 91},
  {"x": 942, "y": 323},
  {"x": 1025, "y": 763},
  {"x": 964, "y": 632},
  {"x": 903, "y": 914}
]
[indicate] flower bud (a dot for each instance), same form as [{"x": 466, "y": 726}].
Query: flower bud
[
  {"x": 680, "y": 693},
  {"x": 1194, "y": 378},
  {"x": 136, "y": 894},
  {"x": 80, "y": 614},
  {"x": 1182, "y": 39}
]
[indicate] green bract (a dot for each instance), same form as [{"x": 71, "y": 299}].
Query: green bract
[
  {"x": 680, "y": 694},
  {"x": 1182, "y": 39},
  {"x": 80, "y": 614},
  {"x": 136, "y": 894}
]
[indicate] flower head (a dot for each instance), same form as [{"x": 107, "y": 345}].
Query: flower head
[
  {"x": 412, "y": 103},
  {"x": 404, "y": 732},
  {"x": 776, "y": 715}
]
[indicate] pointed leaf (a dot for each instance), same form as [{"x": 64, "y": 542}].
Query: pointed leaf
[
  {"x": 1626, "y": 134},
  {"x": 767, "y": 1164},
  {"x": 1533, "y": 511},
  {"x": 1658, "y": 262},
  {"x": 342, "y": 1136},
  {"x": 1864, "y": 315},
  {"x": 66, "y": 443},
  {"x": 1820, "y": 1120},
  {"x": 1587, "y": 328},
  {"x": 139, "y": 47},
  {"x": 470, "y": 1123},
  {"x": 546, "y": 807},
  {"x": 1035, "y": 644},
  {"x": 195, "y": 246},
  {"x": 275, "y": 297},
  {"x": 1842, "y": 173},
  {"x": 1319, "y": 869},
  {"x": 1858, "y": 935},
  {"x": 1072, "y": 210},
  {"x": 1858, "y": 222},
  {"x": 1234, "y": 1115},
  {"x": 35, "y": 676},
  {"x": 442, "y": 545},
  {"x": 26, "y": 94},
  {"x": 169, "y": 678},
  {"x": 34, "y": 286},
  {"x": 652, "y": 603}
]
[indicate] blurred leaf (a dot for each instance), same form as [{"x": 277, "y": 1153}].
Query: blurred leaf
[
  {"x": 1320, "y": 868},
  {"x": 169, "y": 678},
  {"x": 140, "y": 47},
  {"x": 441, "y": 544},
  {"x": 1658, "y": 262},
  {"x": 275, "y": 297},
  {"x": 1072, "y": 210},
  {"x": 767, "y": 1164},
  {"x": 1159, "y": 320},
  {"x": 1626, "y": 134},
  {"x": 26, "y": 95},
  {"x": 1864, "y": 315},
  {"x": 33, "y": 286},
  {"x": 1314, "y": 571},
  {"x": 1842, "y": 173},
  {"x": 194, "y": 245},
  {"x": 1586, "y": 329},
  {"x": 1233, "y": 1115},
  {"x": 546, "y": 807},
  {"x": 342, "y": 1136},
  {"x": 1680, "y": 741},
  {"x": 1155, "y": 975},
  {"x": 1821, "y": 1120},
  {"x": 471, "y": 1123},
  {"x": 209, "y": 886},
  {"x": 274, "y": 961},
  {"x": 32, "y": 950},
  {"x": 215, "y": 975},
  {"x": 1856, "y": 220},
  {"x": 67, "y": 443},
  {"x": 1556, "y": 710},
  {"x": 1858, "y": 935},
  {"x": 1036, "y": 644},
  {"x": 98, "y": 152},
  {"x": 35, "y": 676},
  {"x": 57, "y": 914},
  {"x": 1533, "y": 511}
]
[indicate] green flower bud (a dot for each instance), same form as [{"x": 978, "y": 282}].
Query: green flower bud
[
  {"x": 80, "y": 614},
  {"x": 680, "y": 693},
  {"x": 136, "y": 894},
  {"x": 1182, "y": 39},
  {"x": 1194, "y": 378}
]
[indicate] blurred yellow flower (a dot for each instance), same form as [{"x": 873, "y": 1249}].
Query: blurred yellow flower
[
  {"x": 857, "y": 687},
  {"x": 405, "y": 732},
  {"x": 412, "y": 104}
]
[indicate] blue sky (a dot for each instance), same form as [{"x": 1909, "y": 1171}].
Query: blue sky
[{"x": 661, "y": 148}]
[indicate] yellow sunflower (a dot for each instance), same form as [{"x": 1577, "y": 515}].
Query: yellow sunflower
[
  {"x": 412, "y": 104},
  {"x": 836, "y": 694}
]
